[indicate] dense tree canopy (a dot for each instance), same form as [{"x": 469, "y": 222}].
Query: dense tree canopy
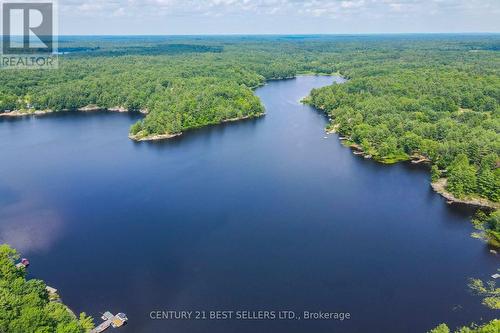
[
  {"x": 439, "y": 102},
  {"x": 491, "y": 327},
  {"x": 25, "y": 305},
  {"x": 435, "y": 96}
]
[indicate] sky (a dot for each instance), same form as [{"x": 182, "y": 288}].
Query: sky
[{"x": 179, "y": 17}]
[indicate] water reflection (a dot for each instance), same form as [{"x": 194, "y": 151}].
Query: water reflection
[
  {"x": 207, "y": 133},
  {"x": 264, "y": 213},
  {"x": 29, "y": 227}
]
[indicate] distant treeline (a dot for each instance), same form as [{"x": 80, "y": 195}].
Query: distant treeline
[
  {"x": 167, "y": 49},
  {"x": 434, "y": 96},
  {"x": 431, "y": 96}
]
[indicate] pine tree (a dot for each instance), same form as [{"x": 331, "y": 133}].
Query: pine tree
[
  {"x": 435, "y": 173},
  {"x": 462, "y": 177},
  {"x": 486, "y": 183}
]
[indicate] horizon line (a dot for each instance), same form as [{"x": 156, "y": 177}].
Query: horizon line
[{"x": 296, "y": 34}]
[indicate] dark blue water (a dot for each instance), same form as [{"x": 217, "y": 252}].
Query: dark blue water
[{"x": 260, "y": 215}]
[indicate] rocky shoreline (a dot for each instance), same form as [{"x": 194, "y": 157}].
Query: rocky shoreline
[
  {"x": 155, "y": 137},
  {"x": 230, "y": 120},
  {"x": 440, "y": 187},
  {"x": 18, "y": 113},
  {"x": 94, "y": 108},
  {"x": 88, "y": 108},
  {"x": 139, "y": 137}
]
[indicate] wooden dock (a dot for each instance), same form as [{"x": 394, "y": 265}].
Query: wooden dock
[
  {"x": 417, "y": 159},
  {"x": 110, "y": 320}
]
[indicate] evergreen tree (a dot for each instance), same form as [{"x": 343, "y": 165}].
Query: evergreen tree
[
  {"x": 25, "y": 305},
  {"x": 435, "y": 173},
  {"x": 461, "y": 177},
  {"x": 487, "y": 184}
]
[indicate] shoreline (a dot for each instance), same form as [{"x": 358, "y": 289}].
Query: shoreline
[
  {"x": 231, "y": 120},
  {"x": 154, "y": 137},
  {"x": 439, "y": 187},
  {"x": 332, "y": 128},
  {"x": 158, "y": 137},
  {"x": 89, "y": 108},
  {"x": 119, "y": 109}
]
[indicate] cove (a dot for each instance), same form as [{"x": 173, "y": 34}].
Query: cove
[{"x": 262, "y": 215}]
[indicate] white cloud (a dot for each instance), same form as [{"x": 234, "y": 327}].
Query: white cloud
[
  {"x": 359, "y": 11},
  {"x": 315, "y": 7}
]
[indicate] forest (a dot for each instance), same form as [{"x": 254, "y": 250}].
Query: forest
[
  {"x": 26, "y": 304},
  {"x": 431, "y": 97},
  {"x": 440, "y": 105}
]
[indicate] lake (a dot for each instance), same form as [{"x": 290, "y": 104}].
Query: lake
[{"x": 260, "y": 215}]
